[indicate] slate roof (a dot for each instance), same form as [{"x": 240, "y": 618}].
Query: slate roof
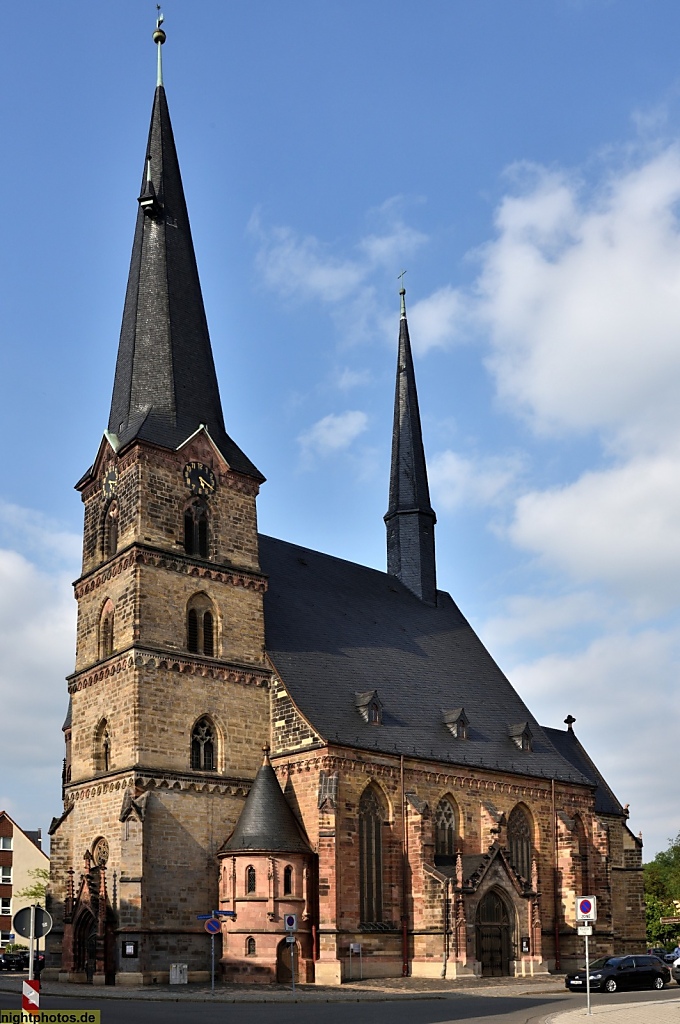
[
  {"x": 334, "y": 628},
  {"x": 266, "y": 821},
  {"x": 165, "y": 384},
  {"x": 566, "y": 741}
]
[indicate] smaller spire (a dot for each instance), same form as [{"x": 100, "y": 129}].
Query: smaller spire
[
  {"x": 402, "y": 292},
  {"x": 159, "y": 38},
  {"x": 265, "y": 750}
]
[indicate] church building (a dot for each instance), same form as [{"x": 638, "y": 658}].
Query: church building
[{"x": 263, "y": 729}]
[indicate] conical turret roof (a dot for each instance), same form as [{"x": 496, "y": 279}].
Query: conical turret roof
[{"x": 267, "y": 823}]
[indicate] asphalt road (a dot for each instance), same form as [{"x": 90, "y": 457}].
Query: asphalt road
[{"x": 474, "y": 1009}]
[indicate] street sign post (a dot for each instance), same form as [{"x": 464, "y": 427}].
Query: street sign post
[
  {"x": 31, "y": 923},
  {"x": 213, "y": 927},
  {"x": 355, "y": 947},
  {"x": 290, "y": 924},
  {"x": 586, "y": 911}
]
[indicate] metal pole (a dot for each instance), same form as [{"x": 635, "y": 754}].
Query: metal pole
[
  {"x": 361, "y": 962},
  {"x": 292, "y": 962},
  {"x": 31, "y": 944},
  {"x": 212, "y": 960},
  {"x": 588, "y": 978},
  {"x": 350, "y": 961}
]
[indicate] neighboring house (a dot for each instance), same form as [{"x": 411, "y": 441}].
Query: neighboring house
[
  {"x": 20, "y": 854},
  {"x": 407, "y": 800}
]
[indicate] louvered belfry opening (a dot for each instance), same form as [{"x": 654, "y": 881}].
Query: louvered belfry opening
[
  {"x": 196, "y": 529},
  {"x": 371, "y": 818},
  {"x": 201, "y": 626}
]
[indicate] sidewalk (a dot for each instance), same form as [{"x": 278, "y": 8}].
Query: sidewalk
[
  {"x": 666, "y": 1011},
  {"x": 374, "y": 990}
]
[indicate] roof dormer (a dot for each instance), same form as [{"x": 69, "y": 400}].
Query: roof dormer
[
  {"x": 369, "y": 706},
  {"x": 457, "y": 722},
  {"x": 521, "y": 736}
]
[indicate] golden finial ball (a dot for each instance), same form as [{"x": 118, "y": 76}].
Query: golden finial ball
[{"x": 159, "y": 36}]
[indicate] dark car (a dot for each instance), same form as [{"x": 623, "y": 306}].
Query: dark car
[
  {"x": 611, "y": 973},
  {"x": 12, "y": 961}
]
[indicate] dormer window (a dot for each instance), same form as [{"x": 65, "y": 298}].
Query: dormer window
[
  {"x": 457, "y": 722},
  {"x": 369, "y": 706},
  {"x": 521, "y": 736}
]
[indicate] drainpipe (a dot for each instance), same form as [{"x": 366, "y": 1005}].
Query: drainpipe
[
  {"x": 404, "y": 884},
  {"x": 556, "y": 901}
]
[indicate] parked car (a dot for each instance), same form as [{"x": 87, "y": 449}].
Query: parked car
[
  {"x": 611, "y": 973},
  {"x": 12, "y": 961},
  {"x": 658, "y": 951},
  {"x": 675, "y": 970}
]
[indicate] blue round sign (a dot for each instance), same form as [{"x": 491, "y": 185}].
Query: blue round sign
[
  {"x": 585, "y": 906},
  {"x": 212, "y": 926}
]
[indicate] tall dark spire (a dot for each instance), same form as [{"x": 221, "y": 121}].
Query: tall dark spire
[
  {"x": 410, "y": 518},
  {"x": 165, "y": 386}
]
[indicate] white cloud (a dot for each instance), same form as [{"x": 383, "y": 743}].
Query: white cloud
[
  {"x": 547, "y": 618},
  {"x": 623, "y": 691},
  {"x": 619, "y": 526},
  {"x": 580, "y": 296},
  {"x": 458, "y": 481},
  {"x": 347, "y": 378},
  {"x": 438, "y": 320},
  {"x": 333, "y": 433}
]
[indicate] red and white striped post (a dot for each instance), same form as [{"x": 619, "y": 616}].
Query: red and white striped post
[{"x": 30, "y": 997}]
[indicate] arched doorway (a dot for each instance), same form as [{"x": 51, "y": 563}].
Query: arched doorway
[
  {"x": 284, "y": 974},
  {"x": 494, "y": 935},
  {"x": 85, "y": 946}
]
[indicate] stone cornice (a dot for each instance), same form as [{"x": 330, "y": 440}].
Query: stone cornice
[
  {"x": 158, "y": 558},
  {"x": 141, "y": 778},
  {"x": 451, "y": 778},
  {"x": 146, "y": 657}
]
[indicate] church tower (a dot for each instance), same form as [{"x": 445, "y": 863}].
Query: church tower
[{"x": 169, "y": 703}]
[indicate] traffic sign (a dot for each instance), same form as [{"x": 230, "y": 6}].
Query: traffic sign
[
  {"x": 212, "y": 926},
  {"x": 22, "y": 922},
  {"x": 290, "y": 939},
  {"x": 585, "y": 929},
  {"x": 290, "y": 922},
  {"x": 662, "y": 920},
  {"x": 586, "y": 908}
]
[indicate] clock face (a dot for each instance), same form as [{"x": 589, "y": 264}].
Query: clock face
[
  {"x": 110, "y": 482},
  {"x": 199, "y": 478}
]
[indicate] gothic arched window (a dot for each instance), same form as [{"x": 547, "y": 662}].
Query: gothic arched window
[
  {"x": 106, "y": 630},
  {"x": 111, "y": 530},
  {"x": 250, "y": 879},
  {"x": 196, "y": 529},
  {"x": 287, "y": 880},
  {"x": 102, "y": 747},
  {"x": 372, "y": 814},
  {"x": 250, "y": 946},
  {"x": 519, "y": 841},
  {"x": 445, "y": 829},
  {"x": 203, "y": 746},
  {"x": 582, "y": 879},
  {"x": 201, "y": 626}
]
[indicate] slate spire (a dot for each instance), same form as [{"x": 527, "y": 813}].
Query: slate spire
[
  {"x": 165, "y": 385},
  {"x": 410, "y": 518}
]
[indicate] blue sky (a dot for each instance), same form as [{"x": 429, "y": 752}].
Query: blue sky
[{"x": 521, "y": 161}]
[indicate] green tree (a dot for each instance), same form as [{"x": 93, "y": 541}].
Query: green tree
[
  {"x": 37, "y": 891},
  {"x": 662, "y": 890}
]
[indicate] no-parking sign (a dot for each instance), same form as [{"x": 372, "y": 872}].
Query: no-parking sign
[{"x": 586, "y": 908}]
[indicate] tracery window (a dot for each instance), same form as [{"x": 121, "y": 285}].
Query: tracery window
[
  {"x": 201, "y": 626},
  {"x": 287, "y": 880},
  {"x": 372, "y": 814},
  {"x": 250, "y": 879},
  {"x": 519, "y": 841},
  {"x": 111, "y": 530},
  {"x": 102, "y": 747},
  {"x": 106, "y": 630},
  {"x": 445, "y": 829},
  {"x": 250, "y": 946},
  {"x": 196, "y": 529},
  {"x": 203, "y": 746},
  {"x": 581, "y": 857}
]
